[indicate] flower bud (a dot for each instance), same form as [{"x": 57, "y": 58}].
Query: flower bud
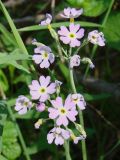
[{"x": 38, "y": 123}]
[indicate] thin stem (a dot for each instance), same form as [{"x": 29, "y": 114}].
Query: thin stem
[
  {"x": 67, "y": 150},
  {"x": 84, "y": 151}
]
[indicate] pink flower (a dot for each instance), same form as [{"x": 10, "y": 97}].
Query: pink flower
[
  {"x": 47, "y": 20},
  {"x": 74, "y": 61},
  {"x": 78, "y": 99},
  {"x": 42, "y": 89},
  {"x": 22, "y": 104},
  {"x": 43, "y": 56},
  {"x": 40, "y": 107},
  {"x": 62, "y": 113},
  {"x": 72, "y": 35},
  {"x": 58, "y": 134},
  {"x": 71, "y": 13},
  {"x": 96, "y": 37}
]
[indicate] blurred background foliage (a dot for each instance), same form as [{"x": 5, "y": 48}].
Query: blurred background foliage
[{"x": 100, "y": 88}]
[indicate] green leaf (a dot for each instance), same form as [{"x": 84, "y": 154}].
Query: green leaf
[
  {"x": 11, "y": 150},
  {"x": 112, "y": 30},
  {"x": 92, "y": 8},
  {"x": 57, "y": 25},
  {"x": 3, "y": 158},
  {"x": 13, "y": 28},
  {"x": 12, "y": 59},
  {"x": 3, "y": 81},
  {"x": 3, "y": 116}
]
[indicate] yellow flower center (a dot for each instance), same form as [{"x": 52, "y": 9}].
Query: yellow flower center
[
  {"x": 42, "y": 90},
  {"x": 72, "y": 35},
  {"x": 62, "y": 111},
  {"x": 71, "y": 20},
  {"x": 45, "y": 55},
  {"x": 93, "y": 37},
  {"x": 25, "y": 104}
]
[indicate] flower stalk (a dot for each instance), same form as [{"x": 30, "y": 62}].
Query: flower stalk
[
  {"x": 84, "y": 151},
  {"x": 67, "y": 150}
]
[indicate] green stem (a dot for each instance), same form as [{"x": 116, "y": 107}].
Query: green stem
[
  {"x": 84, "y": 151},
  {"x": 19, "y": 134},
  {"x": 67, "y": 150}
]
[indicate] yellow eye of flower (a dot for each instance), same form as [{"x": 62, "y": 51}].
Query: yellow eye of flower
[
  {"x": 45, "y": 55},
  {"x": 42, "y": 90},
  {"x": 63, "y": 111},
  {"x": 93, "y": 37},
  {"x": 72, "y": 35},
  {"x": 25, "y": 103}
]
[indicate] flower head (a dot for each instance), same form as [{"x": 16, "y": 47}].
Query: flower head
[
  {"x": 74, "y": 61},
  {"x": 42, "y": 89},
  {"x": 47, "y": 20},
  {"x": 78, "y": 99},
  {"x": 40, "y": 107},
  {"x": 58, "y": 135},
  {"x": 43, "y": 56},
  {"x": 71, "y": 13},
  {"x": 22, "y": 104},
  {"x": 96, "y": 37},
  {"x": 89, "y": 62},
  {"x": 38, "y": 123},
  {"x": 72, "y": 35},
  {"x": 62, "y": 113},
  {"x": 76, "y": 139}
]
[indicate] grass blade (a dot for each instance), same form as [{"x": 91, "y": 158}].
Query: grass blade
[
  {"x": 13, "y": 28},
  {"x": 57, "y": 25}
]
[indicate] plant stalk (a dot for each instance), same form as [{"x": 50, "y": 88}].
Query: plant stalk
[
  {"x": 67, "y": 150},
  {"x": 84, "y": 151}
]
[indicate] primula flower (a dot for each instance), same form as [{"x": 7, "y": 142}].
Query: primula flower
[
  {"x": 38, "y": 124},
  {"x": 72, "y": 35},
  {"x": 78, "y": 99},
  {"x": 58, "y": 135},
  {"x": 71, "y": 13},
  {"x": 22, "y": 104},
  {"x": 62, "y": 113},
  {"x": 47, "y": 20},
  {"x": 43, "y": 56},
  {"x": 74, "y": 61},
  {"x": 96, "y": 37},
  {"x": 42, "y": 89},
  {"x": 40, "y": 107}
]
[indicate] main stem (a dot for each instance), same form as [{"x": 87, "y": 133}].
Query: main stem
[
  {"x": 67, "y": 150},
  {"x": 84, "y": 151}
]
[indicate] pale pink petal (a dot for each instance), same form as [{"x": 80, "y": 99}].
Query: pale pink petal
[
  {"x": 23, "y": 111},
  {"x": 65, "y": 40},
  {"x": 44, "y": 81},
  {"x": 35, "y": 85},
  {"x": 50, "y": 137},
  {"x": 59, "y": 140},
  {"x": 35, "y": 94},
  {"x": 51, "y": 88},
  {"x": 45, "y": 64},
  {"x": 67, "y": 11},
  {"x": 37, "y": 58},
  {"x": 63, "y": 31},
  {"x": 81, "y": 105},
  {"x": 53, "y": 113},
  {"x": 75, "y": 43},
  {"x": 18, "y": 107},
  {"x": 71, "y": 115},
  {"x": 62, "y": 120},
  {"x": 80, "y": 33},
  {"x": 72, "y": 27},
  {"x": 43, "y": 97}
]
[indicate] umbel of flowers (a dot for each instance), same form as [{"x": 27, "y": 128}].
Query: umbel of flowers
[{"x": 63, "y": 112}]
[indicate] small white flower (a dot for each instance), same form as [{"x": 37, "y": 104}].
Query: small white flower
[
  {"x": 74, "y": 61},
  {"x": 47, "y": 20},
  {"x": 22, "y": 104},
  {"x": 96, "y": 37}
]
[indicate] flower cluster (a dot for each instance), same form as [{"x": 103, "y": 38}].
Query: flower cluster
[{"x": 47, "y": 95}]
